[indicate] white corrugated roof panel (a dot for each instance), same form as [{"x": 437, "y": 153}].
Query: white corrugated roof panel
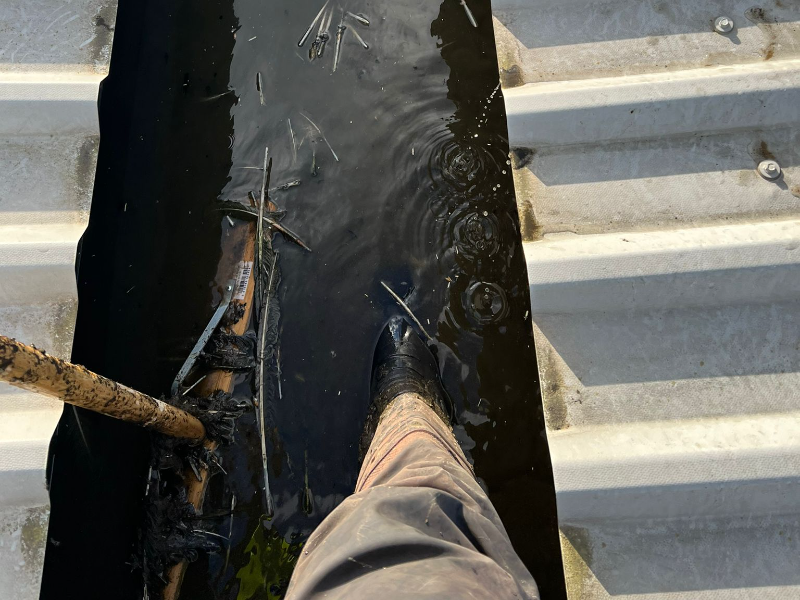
[
  {"x": 664, "y": 278},
  {"x": 53, "y": 56}
]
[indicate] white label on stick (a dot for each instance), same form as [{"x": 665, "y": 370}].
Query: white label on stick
[{"x": 245, "y": 269}]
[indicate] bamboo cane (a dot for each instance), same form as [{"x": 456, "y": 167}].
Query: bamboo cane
[
  {"x": 239, "y": 245},
  {"x": 31, "y": 369}
]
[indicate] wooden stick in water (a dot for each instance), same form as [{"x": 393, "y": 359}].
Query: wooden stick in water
[
  {"x": 237, "y": 251},
  {"x": 31, "y": 369}
]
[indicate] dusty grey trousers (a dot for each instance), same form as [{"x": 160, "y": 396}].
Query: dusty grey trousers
[{"x": 417, "y": 526}]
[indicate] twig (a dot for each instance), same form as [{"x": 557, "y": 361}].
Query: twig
[
  {"x": 264, "y": 325},
  {"x": 285, "y": 186},
  {"x": 360, "y": 18},
  {"x": 308, "y": 498},
  {"x": 80, "y": 428},
  {"x": 322, "y": 134},
  {"x": 294, "y": 144},
  {"x": 313, "y": 158},
  {"x": 260, "y": 88},
  {"x": 215, "y": 97},
  {"x": 149, "y": 475},
  {"x": 325, "y": 34},
  {"x": 288, "y": 233},
  {"x": 260, "y": 224},
  {"x": 264, "y": 180},
  {"x": 203, "y": 531},
  {"x": 470, "y": 16},
  {"x": 340, "y": 29},
  {"x": 230, "y": 534},
  {"x": 272, "y": 223},
  {"x": 278, "y": 365},
  {"x": 361, "y": 41},
  {"x": 404, "y": 306},
  {"x": 191, "y": 387},
  {"x": 216, "y": 461},
  {"x": 314, "y": 22}
]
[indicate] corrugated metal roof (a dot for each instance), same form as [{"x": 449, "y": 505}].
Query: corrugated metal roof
[
  {"x": 664, "y": 278},
  {"x": 53, "y": 55}
]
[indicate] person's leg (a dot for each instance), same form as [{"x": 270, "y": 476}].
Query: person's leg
[{"x": 418, "y": 525}]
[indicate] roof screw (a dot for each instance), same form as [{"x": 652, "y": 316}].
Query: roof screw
[
  {"x": 723, "y": 25},
  {"x": 769, "y": 169},
  {"x": 229, "y": 288}
]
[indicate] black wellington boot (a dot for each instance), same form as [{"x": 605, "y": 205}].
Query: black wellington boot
[{"x": 403, "y": 363}]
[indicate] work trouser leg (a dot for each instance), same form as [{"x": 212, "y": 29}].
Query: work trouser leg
[{"x": 418, "y": 525}]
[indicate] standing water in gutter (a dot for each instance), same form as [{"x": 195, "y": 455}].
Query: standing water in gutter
[{"x": 401, "y": 156}]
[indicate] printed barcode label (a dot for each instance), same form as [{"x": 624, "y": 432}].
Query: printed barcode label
[{"x": 245, "y": 269}]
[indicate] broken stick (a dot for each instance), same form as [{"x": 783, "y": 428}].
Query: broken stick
[{"x": 31, "y": 369}]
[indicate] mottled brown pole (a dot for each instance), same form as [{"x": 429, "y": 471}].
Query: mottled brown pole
[
  {"x": 31, "y": 369},
  {"x": 238, "y": 245}
]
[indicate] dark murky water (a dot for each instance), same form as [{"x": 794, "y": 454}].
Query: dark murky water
[{"x": 421, "y": 197}]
